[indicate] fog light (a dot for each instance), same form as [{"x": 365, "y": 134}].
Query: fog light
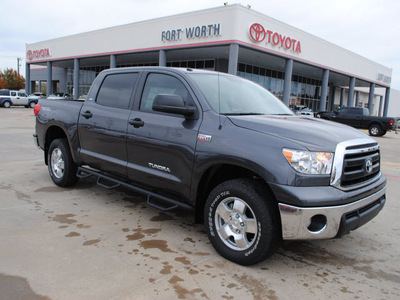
[{"x": 317, "y": 223}]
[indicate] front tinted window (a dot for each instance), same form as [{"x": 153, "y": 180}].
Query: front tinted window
[
  {"x": 233, "y": 95},
  {"x": 163, "y": 84},
  {"x": 116, "y": 90}
]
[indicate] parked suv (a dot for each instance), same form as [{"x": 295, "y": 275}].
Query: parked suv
[{"x": 16, "y": 98}]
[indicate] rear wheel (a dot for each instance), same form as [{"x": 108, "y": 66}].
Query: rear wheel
[
  {"x": 7, "y": 104},
  {"x": 62, "y": 168},
  {"x": 242, "y": 221},
  {"x": 32, "y": 104},
  {"x": 375, "y": 130}
]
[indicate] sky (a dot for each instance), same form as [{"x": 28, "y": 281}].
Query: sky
[{"x": 366, "y": 27}]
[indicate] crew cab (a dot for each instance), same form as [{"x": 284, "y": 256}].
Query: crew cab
[
  {"x": 10, "y": 98},
  {"x": 220, "y": 146},
  {"x": 359, "y": 117}
]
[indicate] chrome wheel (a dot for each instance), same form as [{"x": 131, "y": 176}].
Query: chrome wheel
[
  {"x": 57, "y": 163},
  {"x": 236, "y": 224}
]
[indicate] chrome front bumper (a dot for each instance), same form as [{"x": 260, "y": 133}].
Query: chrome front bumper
[{"x": 300, "y": 223}]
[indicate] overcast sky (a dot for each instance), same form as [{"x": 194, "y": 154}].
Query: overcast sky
[{"x": 369, "y": 28}]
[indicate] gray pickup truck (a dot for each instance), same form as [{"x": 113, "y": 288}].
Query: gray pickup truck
[{"x": 222, "y": 146}]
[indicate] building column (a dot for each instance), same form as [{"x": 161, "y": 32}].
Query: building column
[
  {"x": 40, "y": 86},
  {"x": 287, "y": 84},
  {"x": 350, "y": 100},
  {"x": 380, "y": 106},
  {"x": 331, "y": 102},
  {"x": 357, "y": 98},
  {"x": 386, "y": 107},
  {"x": 76, "y": 78},
  {"x": 28, "y": 79},
  {"x": 113, "y": 61},
  {"x": 233, "y": 58},
  {"x": 342, "y": 91},
  {"x": 371, "y": 97},
  {"x": 324, "y": 91},
  {"x": 162, "y": 58},
  {"x": 49, "y": 78}
]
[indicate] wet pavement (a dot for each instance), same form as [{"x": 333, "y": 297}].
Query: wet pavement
[{"x": 87, "y": 242}]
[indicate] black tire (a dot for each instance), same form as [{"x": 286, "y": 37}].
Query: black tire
[
  {"x": 32, "y": 104},
  {"x": 383, "y": 132},
  {"x": 242, "y": 221},
  {"x": 375, "y": 130},
  {"x": 6, "y": 104},
  {"x": 62, "y": 168}
]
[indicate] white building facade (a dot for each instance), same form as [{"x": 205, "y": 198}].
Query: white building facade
[{"x": 297, "y": 67}]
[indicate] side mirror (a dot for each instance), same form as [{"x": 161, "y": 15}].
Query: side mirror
[{"x": 173, "y": 104}]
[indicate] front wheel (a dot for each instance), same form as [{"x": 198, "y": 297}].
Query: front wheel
[
  {"x": 242, "y": 221},
  {"x": 375, "y": 130},
  {"x": 62, "y": 168}
]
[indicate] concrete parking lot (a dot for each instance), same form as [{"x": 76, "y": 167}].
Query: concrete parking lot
[{"x": 87, "y": 242}]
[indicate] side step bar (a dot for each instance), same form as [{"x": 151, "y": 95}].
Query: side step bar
[{"x": 163, "y": 203}]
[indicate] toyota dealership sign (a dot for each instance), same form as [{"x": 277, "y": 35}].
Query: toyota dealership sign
[
  {"x": 259, "y": 34},
  {"x": 38, "y": 54}
]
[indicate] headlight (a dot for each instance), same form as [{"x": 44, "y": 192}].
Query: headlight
[{"x": 310, "y": 162}]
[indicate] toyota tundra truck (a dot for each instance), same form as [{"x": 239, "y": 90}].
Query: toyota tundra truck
[{"x": 222, "y": 146}]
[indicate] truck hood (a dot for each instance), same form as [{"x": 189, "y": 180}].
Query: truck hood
[{"x": 313, "y": 133}]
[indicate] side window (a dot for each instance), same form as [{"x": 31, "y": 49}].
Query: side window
[
  {"x": 13, "y": 94},
  {"x": 22, "y": 95},
  {"x": 116, "y": 90},
  {"x": 163, "y": 84}
]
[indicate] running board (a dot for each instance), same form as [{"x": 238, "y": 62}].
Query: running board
[{"x": 109, "y": 182}]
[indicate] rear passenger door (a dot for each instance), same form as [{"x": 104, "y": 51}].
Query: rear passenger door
[
  {"x": 103, "y": 123},
  {"x": 161, "y": 146}
]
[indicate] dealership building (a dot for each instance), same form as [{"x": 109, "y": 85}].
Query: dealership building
[{"x": 299, "y": 68}]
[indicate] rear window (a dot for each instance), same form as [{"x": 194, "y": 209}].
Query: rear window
[
  {"x": 116, "y": 90},
  {"x": 4, "y": 93}
]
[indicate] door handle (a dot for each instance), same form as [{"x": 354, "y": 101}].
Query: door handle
[
  {"x": 87, "y": 114},
  {"x": 136, "y": 122}
]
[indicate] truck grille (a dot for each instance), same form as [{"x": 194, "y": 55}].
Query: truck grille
[
  {"x": 357, "y": 164},
  {"x": 360, "y": 167}
]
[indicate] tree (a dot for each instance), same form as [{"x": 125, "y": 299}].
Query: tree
[
  {"x": 2, "y": 82},
  {"x": 12, "y": 79}
]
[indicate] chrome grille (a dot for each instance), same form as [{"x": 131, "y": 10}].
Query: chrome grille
[
  {"x": 355, "y": 169},
  {"x": 356, "y": 164}
]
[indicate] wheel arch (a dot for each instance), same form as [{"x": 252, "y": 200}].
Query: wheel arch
[
  {"x": 53, "y": 133},
  {"x": 217, "y": 174}
]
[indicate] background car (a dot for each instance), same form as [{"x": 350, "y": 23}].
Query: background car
[
  {"x": 16, "y": 98},
  {"x": 58, "y": 96},
  {"x": 301, "y": 110}
]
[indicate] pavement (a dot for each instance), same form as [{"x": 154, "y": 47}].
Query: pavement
[{"x": 87, "y": 242}]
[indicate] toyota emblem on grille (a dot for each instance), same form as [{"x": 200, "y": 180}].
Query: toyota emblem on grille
[{"x": 368, "y": 166}]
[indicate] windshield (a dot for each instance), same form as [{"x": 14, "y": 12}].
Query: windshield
[{"x": 238, "y": 96}]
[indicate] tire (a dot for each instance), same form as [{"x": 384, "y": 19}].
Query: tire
[
  {"x": 242, "y": 221},
  {"x": 6, "y": 104},
  {"x": 375, "y": 130},
  {"x": 383, "y": 132},
  {"x": 62, "y": 168},
  {"x": 32, "y": 104}
]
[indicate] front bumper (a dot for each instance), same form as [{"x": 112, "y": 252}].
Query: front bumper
[{"x": 329, "y": 221}]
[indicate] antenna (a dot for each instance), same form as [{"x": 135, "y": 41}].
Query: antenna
[{"x": 219, "y": 104}]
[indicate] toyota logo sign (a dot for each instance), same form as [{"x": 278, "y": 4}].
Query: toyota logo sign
[{"x": 257, "y": 32}]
